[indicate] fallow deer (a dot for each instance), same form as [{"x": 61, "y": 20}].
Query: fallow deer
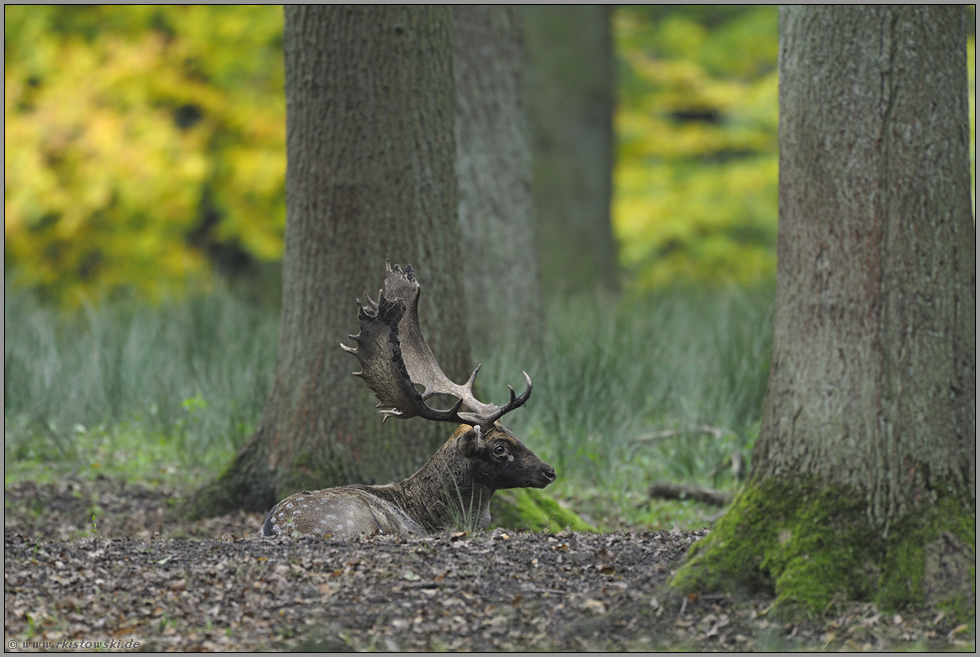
[{"x": 458, "y": 481}]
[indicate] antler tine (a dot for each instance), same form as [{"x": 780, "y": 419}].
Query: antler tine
[
  {"x": 372, "y": 305},
  {"x": 395, "y": 358},
  {"x": 370, "y": 311},
  {"x": 470, "y": 381},
  {"x": 498, "y": 412}
]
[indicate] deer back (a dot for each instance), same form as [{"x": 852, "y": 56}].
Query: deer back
[
  {"x": 454, "y": 487},
  {"x": 341, "y": 512}
]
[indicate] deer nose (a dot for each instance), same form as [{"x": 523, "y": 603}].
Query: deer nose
[{"x": 549, "y": 473}]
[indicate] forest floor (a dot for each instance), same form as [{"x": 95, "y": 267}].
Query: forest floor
[{"x": 89, "y": 561}]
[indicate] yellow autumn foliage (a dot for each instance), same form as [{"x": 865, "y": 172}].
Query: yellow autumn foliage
[
  {"x": 140, "y": 141},
  {"x": 135, "y": 139},
  {"x": 697, "y": 160},
  {"x": 696, "y": 179}
]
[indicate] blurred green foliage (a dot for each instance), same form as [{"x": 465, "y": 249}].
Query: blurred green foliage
[
  {"x": 697, "y": 160},
  {"x": 698, "y": 154},
  {"x": 971, "y": 66},
  {"x": 141, "y": 144}
]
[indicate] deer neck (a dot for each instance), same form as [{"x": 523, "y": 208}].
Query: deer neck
[{"x": 441, "y": 495}]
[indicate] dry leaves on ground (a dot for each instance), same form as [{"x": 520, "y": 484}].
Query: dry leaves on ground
[{"x": 140, "y": 580}]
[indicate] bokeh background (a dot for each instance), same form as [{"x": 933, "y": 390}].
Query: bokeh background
[{"x": 144, "y": 147}]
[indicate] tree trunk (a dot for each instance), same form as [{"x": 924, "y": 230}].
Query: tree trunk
[
  {"x": 370, "y": 176},
  {"x": 570, "y": 87},
  {"x": 864, "y": 483},
  {"x": 493, "y": 165}
]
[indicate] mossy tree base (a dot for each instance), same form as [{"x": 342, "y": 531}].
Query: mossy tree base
[
  {"x": 535, "y": 510},
  {"x": 812, "y": 545}
]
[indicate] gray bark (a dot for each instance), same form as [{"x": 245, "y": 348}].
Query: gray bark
[
  {"x": 570, "y": 86},
  {"x": 493, "y": 166},
  {"x": 873, "y": 377},
  {"x": 864, "y": 473},
  {"x": 370, "y": 177}
]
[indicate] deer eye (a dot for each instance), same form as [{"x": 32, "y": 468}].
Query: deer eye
[{"x": 499, "y": 450}]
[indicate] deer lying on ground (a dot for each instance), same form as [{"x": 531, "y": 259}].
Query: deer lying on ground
[{"x": 458, "y": 481}]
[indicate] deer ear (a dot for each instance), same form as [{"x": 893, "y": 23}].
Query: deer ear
[{"x": 471, "y": 441}]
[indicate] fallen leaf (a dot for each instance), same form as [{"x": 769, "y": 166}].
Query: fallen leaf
[{"x": 594, "y": 605}]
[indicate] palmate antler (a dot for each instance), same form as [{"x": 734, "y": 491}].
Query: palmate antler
[{"x": 395, "y": 358}]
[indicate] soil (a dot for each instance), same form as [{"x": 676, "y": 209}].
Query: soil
[{"x": 136, "y": 578}]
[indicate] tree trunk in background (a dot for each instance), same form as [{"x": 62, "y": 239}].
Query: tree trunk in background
[
  {"x": 571, "y": 89},
  {"x": 370, "y": 176},
  {"x": 864, "y": 483},
  {"x": 493, "y": 165}
]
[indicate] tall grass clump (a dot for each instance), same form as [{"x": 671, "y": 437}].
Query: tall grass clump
[
  {"x": 191, "y": 374},
  {"x": 666, "y": 386}
]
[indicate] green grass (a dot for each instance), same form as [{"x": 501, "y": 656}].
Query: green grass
[
  {"x": 133, "y": 388},
  {"x": 169, "y": 393},
  {"x": 613, "y": 374}
]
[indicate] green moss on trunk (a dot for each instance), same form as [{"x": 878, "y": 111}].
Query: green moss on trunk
[
  {"x": 931, "y": 559},
  {"x": 813, "y": 545}
]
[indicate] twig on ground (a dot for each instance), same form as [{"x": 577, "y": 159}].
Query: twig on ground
[
  {"x": 667, "y": 491},
  {"x": 673, "y": 433}
]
